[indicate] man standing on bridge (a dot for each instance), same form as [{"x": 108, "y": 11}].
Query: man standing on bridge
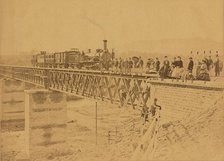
[
  {"x": 190, "y": 65},
  {"x": 130, "y": 65},
  {"x": 166, "y": 65},
  {"x": 217, "y": 66},
  {"x": 140, "y": 65},
  {"x": 157, "y": 64},
  {"x": 190, "y": 68}
]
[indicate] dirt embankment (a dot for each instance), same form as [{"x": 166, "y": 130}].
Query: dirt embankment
[{"x": 197, "y": 138}]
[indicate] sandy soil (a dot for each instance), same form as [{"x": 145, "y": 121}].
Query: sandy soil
[
  {"x": 119, "y": 130},
  {"x": 200, "y": 137}
]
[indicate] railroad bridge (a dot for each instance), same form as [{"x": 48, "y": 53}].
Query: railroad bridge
[
  {"x": 45, "y": 110},
  {"x": 122, "y": 89}
]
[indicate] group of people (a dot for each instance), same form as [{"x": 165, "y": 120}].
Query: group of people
[
  {"x": 175, "y": 68},
  {"x": 204, "y": 68},
  {"x": 210, "y": 64},
  {"x": 126, "y": 65},
  {"x": 167, "y": 68}
]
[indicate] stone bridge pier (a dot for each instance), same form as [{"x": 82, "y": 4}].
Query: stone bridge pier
[
  {"x": 12, "y": 106},
  {"x": 12, "y": 103},
  {"x": 45, "y": 123},
  {"x": 44, "y": 113}
]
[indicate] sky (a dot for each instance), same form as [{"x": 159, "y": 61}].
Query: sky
[{"x": 57, "y": 25}]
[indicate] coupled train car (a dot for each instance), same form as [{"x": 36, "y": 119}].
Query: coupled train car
[{"x": 74, "y": 59}]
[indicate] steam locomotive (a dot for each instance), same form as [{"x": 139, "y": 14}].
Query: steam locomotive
[{"x": 75, "y": 59}]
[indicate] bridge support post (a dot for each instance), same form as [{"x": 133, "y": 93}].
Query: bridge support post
[
  {"x": 12, "y": 107},
  {"x": 45, "y": 123},
  {"x": 12, "y": 103}
]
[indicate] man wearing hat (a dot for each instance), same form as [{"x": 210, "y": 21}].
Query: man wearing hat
[
  {"x": 166, "y": 65},
  {"x": 190, "y": 65},
  {"x": 148, "y": 64},
  {"x": 157, "y": 64},
  {"x": 155, "y": 109},
  {"x": 190, "y": 68},
  {"x": 217, "y": 66}
]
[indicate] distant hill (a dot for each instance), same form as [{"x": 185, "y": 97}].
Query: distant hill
[
  {"x": 170, "y": 47},
  {"x": 144, "y": 48}
]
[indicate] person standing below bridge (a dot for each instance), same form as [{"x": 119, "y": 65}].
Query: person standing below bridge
[
  {"x": 145, "y": 114},
  {"x": 155, "y": 109},
  {"x": 123, "y": 95}
]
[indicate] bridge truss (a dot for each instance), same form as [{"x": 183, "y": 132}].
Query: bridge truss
[{"x": 115, "y": 88}]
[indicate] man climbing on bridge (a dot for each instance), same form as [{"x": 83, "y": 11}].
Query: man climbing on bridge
[
  {"x": 145, "y": 114},
  {"x": 155, "y": 109}
]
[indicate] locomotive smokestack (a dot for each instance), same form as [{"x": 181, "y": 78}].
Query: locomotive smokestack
[{"x": 105, "y": 45}]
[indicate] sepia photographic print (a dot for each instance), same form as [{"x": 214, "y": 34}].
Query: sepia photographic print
[{"x": 111, "y": 80}]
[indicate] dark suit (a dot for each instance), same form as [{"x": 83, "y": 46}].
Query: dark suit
[
  {"x": 166, "y": 65},
  {"x": 157, "y": 65},
  {"x": 190, "y": 66}
]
